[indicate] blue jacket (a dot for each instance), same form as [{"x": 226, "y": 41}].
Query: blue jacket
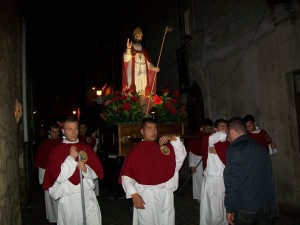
[{"x": 248, "y": 176}]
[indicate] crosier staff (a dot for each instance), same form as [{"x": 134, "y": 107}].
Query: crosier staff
[
  {"x": 167, "y": 30},
  {"x": 82, "y": 157}
]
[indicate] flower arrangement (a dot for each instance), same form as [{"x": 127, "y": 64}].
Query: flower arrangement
[
  {"x": 127, "y": 108},
  {"x": 122, "y": 107},
  {"x": 168, "y": 107}
]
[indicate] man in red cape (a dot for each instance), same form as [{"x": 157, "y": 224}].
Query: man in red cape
[
  {"x": 212, "y": 208},
  {"x": 150, "y": 176},
  {"x": 259, "y": 135},
  {"x": 62, "y": 178},
  {"x": 41, "y": 161},
  {"x": 194, "y": 146}
]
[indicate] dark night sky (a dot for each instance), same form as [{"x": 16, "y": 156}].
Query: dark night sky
[{"x": 60, "y": 33}]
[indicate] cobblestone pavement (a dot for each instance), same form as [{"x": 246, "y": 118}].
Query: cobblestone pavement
[{"x": 119, "y": 212}]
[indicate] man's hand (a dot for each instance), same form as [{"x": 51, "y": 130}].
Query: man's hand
[
  {"x": 128, "y": 44},
  {"x": 212, "y": 150},
  {"x": 193, "y": 169},
  {"x": 164, "y": 139},
  {"x": 156, "y": 69},
  {"x": 81, "y": 166},
  {"x": 73, "y": 152},
  {"x": 230, "y": 218},
  {"x": 138, "y": 201}
]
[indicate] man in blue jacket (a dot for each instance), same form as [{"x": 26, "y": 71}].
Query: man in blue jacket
[{"x": 249, "y": 190}]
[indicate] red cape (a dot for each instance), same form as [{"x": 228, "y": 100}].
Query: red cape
[
  {"x": 43, "y": 152},
  {"x": 147, "y": 165},
  {"x": 204, "y": 151},
  {"x": 195, "y": 145},
  {"x": 262, "y": 138},
  {"x": 58, "y": 156},
  {"x": 221, "y": 150}
]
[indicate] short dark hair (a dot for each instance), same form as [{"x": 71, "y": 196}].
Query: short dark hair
[
  {"x": 237, "y": 124},
  {"x": 54, "y": 125},
  {"x": 248, "y": 118},
  {"x": 218, "y": 121},
  {"x": 70, "y": 119},
  {"x": 147, "y": 120},
  {"x": 207, "y": 122}
]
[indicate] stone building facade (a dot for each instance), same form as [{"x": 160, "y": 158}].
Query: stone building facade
[
  {"x": 11, "y": 149},
  {"x": 242, "y": 58}
]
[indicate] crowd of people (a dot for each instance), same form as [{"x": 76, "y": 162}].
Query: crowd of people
[
  {"x": 236, "y": 182},
  {"x": 229, "y": 162}
]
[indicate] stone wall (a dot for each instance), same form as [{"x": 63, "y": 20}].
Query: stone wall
[
  {"x": 243, "y": 61},
  {"x": 10, "y": 91}
]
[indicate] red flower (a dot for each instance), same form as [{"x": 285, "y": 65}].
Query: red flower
[
  {"x": 157, "y": 100},
  {"x": 173, "y": 101},
  {"x": 117, "y": 111},
  {"x": 168, "y": 105},
  {"x": 173, "y": 111},
  {"x": 114, "y": 99},
  {"x": 134, "y": 99},
  {"x": 126, "y": 106},
  {"x": 176, "y": 93}
]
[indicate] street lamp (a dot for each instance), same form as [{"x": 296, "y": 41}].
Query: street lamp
[{"x": 99, "y": 99}]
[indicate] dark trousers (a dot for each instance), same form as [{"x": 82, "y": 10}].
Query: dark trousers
[{"x": 262, "y": 216}]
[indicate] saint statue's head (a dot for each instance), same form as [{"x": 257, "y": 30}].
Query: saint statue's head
[{"x": 137, "y": 35}]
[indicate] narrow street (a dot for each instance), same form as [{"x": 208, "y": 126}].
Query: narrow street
[{"x": 117, "y": 211}]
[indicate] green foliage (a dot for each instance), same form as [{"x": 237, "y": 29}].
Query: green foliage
[
  {"x": 168, "y": 107},
  {"x": 126, "y": 108},
  {"x": 122, "y": 107}
]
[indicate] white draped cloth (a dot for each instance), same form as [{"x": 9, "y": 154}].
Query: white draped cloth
[
  {"x": 51, "y": 205},
  {"x": 197, "y": 176},
  {"x": 212, "y": 209}
]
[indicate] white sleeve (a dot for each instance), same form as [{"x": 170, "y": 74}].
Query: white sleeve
[
  {"x": 128, "y": 186},
  {"x": 180, "y": 152},
  {"x": 271, "y": 150},
  {"x": 214, "y": 138}
]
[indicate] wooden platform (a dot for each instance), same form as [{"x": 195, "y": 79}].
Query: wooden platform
[{"x": 121, "y": 139}]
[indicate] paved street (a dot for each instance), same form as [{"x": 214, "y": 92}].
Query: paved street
[{"x": 118, "y": 211}]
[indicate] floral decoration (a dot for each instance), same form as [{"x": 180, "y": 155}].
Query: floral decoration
[
  {"x": 126, "y": 108},
  {"x": 167, "y": 107},
  {"x": 122, "y": 107}
]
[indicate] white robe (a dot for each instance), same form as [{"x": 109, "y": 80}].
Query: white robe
[
  {"x": 212, "y": 209},
  {"x": 159, "y": 199},
  {"x": 69, "y": 196},
  {"x": 140, "y": 69},
  {"x": 197, "y": 176},
  {"x": 51, "y": 205}
]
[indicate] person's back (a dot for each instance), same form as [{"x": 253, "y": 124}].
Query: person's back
[
  {"x": 256, "y": 189},
  {"x": 249, "y": 190}
]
